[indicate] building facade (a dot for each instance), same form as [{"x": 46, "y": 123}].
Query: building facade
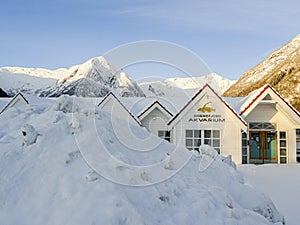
[{"x": 260, "y": 128}]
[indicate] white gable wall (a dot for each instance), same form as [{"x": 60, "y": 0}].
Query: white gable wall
[
  {"x": 273, "y": 113},
  {"x": 17, "y": 101},
  {"x": 155, "y": 120},
  {"x": 113, "y": 106},
  {"x": 225, "y": 121}
]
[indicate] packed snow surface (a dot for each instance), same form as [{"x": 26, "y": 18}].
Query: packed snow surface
[
  {"x": 281, "y": 183},
  {"x": 52, "y": 178}
]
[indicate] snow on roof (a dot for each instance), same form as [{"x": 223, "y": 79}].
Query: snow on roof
[
  {"x": 137, "y": 105},
  {"x": 4, "y": 102},
  {"x": 235, "y": 102},
  {"x": 35, "y": 100},
  {"x": 252, "y": 96}
]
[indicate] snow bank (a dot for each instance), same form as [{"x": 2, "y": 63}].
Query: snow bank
[{"x": 51, "y": 181}]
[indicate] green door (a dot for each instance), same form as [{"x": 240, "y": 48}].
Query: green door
[{"x": 263, "y": 147}]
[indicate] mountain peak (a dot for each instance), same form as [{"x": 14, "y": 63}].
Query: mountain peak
[
  {"x": 93, "y": 78},
  {"x": 281, "y": 70}
]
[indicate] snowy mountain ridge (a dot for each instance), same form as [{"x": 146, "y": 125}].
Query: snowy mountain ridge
[
  {"x": 176, "y": 87},
  {"x": 281, "y": 70},
  {"x": 93, "y": 78}
]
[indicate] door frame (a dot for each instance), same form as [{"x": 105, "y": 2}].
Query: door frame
[{"x": 263, "y": 147}]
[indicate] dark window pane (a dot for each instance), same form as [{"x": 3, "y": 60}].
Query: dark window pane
[
  {"x": 244, "y": 150},
  {"x": 189, "y": 133},
  {"x": 298, "y": 132},
  {"x": 282, "y": 151},
  {"x": 197, "y": 133},
  {"x": 282, "y": 159},
  {"x": 282, "y": 135},
  {"x": 161, "y": 133},
  {"x": 168, "y": 133},
  {"x": 244, "y": 159},
  {"x": 244, "y": 135},
  {"x": 282, "y": 143},
  {"x": 189, "y": 142},
  {"x": 244, "y": 142},
  {"x": 197, "y": 142},
  {"x": 207, "y": 133},
  {"x": 216, "y": 133},
  {"x": 207, "y": 141},
  {"x": 216, "y": 143}
]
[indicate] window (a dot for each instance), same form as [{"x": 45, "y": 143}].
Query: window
[
  {"x": 298, "y": 144},
  {"x": 194, "y": 138},
  {"x": 165, "y": 134},
  {"x": 283, "y": 147},
  {"x": 262, "y": 126},
  {"x": 297, "y": 133},
  {"x": 244, "y": 148}
]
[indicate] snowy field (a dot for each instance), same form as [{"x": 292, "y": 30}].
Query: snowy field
[
  {"x": 53, "y": 172},
  {"x": 281, "y": 183}
]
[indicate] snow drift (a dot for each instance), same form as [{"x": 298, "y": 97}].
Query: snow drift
[{"x": 50, "y": 182}]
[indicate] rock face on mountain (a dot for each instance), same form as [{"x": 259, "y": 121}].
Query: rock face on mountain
[
  {"x": 3, "y": 94},
  {"x": 281, "y": 70},
  {"x": 94, "y": 78}
]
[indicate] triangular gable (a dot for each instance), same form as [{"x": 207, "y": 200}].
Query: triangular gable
[
  {"x": 16, "y": 101},
  {"x": 264, "y": 94},
  {"x": 110, "y": 96},
  {"x": 189, "y": 104},
  {"x": 149, "y": 109}
]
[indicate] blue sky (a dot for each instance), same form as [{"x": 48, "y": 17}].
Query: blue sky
[{"x": 230, "y": 36}]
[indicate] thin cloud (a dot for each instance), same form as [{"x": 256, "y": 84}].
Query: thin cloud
[{"x": 229, "y": 15}]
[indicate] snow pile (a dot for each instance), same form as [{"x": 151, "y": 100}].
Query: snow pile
[
  {"x": 51, "y": 181},
  {"x": 284, "y": 182},
  {"x": 30, "y": 134}
]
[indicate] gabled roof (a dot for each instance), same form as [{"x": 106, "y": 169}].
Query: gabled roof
[
  {"x": 252, "y": 101},
  {"x": 12, "y": 101},
  {"x": 152, "y": 107},
  {"x": 221, "y": 99},
  {"x": 111, "y": 94},
  {"x": 252, "y": 97}
]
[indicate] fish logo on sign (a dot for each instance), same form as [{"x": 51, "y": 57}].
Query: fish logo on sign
[{"x": 206, "y": 108}]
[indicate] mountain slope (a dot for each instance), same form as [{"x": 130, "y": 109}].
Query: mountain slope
[
  {"x": 94, "y": 78},
  {"x": 3, "y": 94},
  {"x": 176, "y": 87},
  {"x": 281, "y": 69}
]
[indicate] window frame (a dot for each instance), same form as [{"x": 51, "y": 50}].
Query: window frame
[
  {"x": 196, "y": 138},
  {"x": 164, "y": 134}
]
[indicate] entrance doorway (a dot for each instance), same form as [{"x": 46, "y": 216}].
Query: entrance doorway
[{"x": 263, "y": 147}]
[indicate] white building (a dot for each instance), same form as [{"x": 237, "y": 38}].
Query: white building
[
  {"x": 113, "y": 105},
  {"x": 259, "y": 128},
  {"x": 16, "y": 101}
]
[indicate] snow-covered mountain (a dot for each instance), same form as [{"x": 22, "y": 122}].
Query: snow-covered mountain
[
  {"x": 176, "y": 87},
  {"x": 94, "y": 78},
  {"x": 281, "y": 69}
]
